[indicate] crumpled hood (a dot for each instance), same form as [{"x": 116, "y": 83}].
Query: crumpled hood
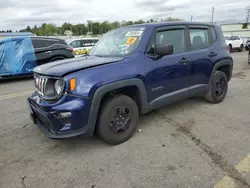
[{"x": 62, "y": 67}]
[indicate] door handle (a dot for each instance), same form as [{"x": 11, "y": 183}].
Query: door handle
[
  {"x": 48, "y": 52},
  {"x": 184, "y": 61},
  {"x": 212, "y": 54}
]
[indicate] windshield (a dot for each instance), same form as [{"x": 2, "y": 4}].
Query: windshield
[{"x": 119, "y": 42}]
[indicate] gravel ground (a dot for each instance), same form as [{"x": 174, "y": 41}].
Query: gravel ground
[{"x": 188, "y": 144}]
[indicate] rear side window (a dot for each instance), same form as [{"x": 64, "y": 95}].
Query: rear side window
[
  {"x": 87, "y": 43},
  {"x": 213, "y": 34},
  {"x": 237, "y": 38},
  {"x": 40, "y": 43},
  {"x": 233, "y": 38},
  {"x": 198, "y": 38},
  {"x": 175, "y": 37},
  {"x": 94, "y": 41},
  {"x": 52, "y": 42}
]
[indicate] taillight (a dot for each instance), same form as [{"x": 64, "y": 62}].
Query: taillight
[{"x": 69, "y": 49}]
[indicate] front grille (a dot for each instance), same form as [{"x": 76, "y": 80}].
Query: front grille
[
  {"x": 40, "y": 84},
  {"x": 45, "y": 87}
]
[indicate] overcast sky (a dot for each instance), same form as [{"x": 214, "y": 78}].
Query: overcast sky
[{"x": 17, "y": 14}]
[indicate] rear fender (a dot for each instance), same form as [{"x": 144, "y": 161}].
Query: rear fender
[{"x": 220, "y": 64}]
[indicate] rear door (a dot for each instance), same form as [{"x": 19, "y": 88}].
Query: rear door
[
  {"x": 42, "y": 50},
  {"x": 202, "y": 54}
]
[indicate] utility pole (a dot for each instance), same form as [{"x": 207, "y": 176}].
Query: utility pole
[
  {"x": 213, "y": 15},
  {"x": 247, "y": 18},
  {"x": 191, "y": 18}
]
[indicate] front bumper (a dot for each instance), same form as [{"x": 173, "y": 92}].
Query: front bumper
[{"x": 47, "y": 117}]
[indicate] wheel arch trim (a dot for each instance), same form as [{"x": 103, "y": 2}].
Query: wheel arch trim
[
  {"x": 221, "y": 63},
  {"x": 101, "y": 91}
]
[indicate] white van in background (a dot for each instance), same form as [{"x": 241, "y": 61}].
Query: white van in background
[{"x": 81, "y": 45}]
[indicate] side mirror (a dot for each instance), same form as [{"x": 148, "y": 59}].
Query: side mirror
[{"x": 165, "y": 50}]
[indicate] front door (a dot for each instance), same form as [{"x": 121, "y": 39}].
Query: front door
[{"x": 169, "y": 80}]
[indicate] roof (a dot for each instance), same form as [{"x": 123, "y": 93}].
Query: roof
[
  {"x": 17, "y": 34},
  {"x": 22, "y": 37},
  {"x": 159, "y": 24},
  {"x": 73, "y": 39}
]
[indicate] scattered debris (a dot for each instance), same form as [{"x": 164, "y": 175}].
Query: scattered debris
[
  {"x": 171, "y": 168},
  {"x": 163, "y": 145},
  {"x": 238, "y": 75},
  {"x": 92, "y": 186},
  {"x": 175, "y": 134},
  {"x": 25, "y": 125},
  {"x": 23, "y": 181},
  {"x": 102, "y": 170},
  {"x": 139, "y": 130}
]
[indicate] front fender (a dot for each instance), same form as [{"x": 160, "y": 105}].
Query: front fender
[{"x": 101, "y": 91}]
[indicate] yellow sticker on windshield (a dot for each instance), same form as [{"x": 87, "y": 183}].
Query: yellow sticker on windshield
[{"x": 131, "y": 40}]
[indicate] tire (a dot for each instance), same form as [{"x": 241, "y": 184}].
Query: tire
[
  {"x": 241, "y": 48},
  {"x": 115, "y": 110},
  {"x": 249, "y": 57},
  {"x": 230, "y": 48},
  {"x": 214, "y": 94}
]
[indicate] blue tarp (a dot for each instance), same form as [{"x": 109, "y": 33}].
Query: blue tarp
[{"x": 17, "y": 56}]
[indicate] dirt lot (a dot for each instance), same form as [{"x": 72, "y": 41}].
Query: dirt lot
[{"x": 190, "y": 144}]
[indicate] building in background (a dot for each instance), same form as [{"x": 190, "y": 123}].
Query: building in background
[{"x": 236, "y": 29}]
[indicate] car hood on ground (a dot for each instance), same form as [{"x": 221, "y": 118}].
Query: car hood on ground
[{"x": 62, "y": 67}]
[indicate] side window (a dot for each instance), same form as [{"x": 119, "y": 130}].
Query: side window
[
  {"x": 75, "y": 44},
  {"x": 237, "y": 38},
  {"x": 83, "y": 43},
  {"x": 198, "y": 38},
  {"x": 87, "y": 43},
  {"x": 175, "y": 37},
  {"x": 213, "y": 34},
  {"x": 52, "y": 42},
  {"x": 233, "y": 38},
  {"x": 39, "y": 43}
]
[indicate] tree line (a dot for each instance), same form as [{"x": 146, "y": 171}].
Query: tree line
[
  {"x": 92, "y": 28},
  {"x": 7, "y": 31}
]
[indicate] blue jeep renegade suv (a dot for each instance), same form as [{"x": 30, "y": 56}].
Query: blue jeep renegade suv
[{"x": 130, "y": 71}]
